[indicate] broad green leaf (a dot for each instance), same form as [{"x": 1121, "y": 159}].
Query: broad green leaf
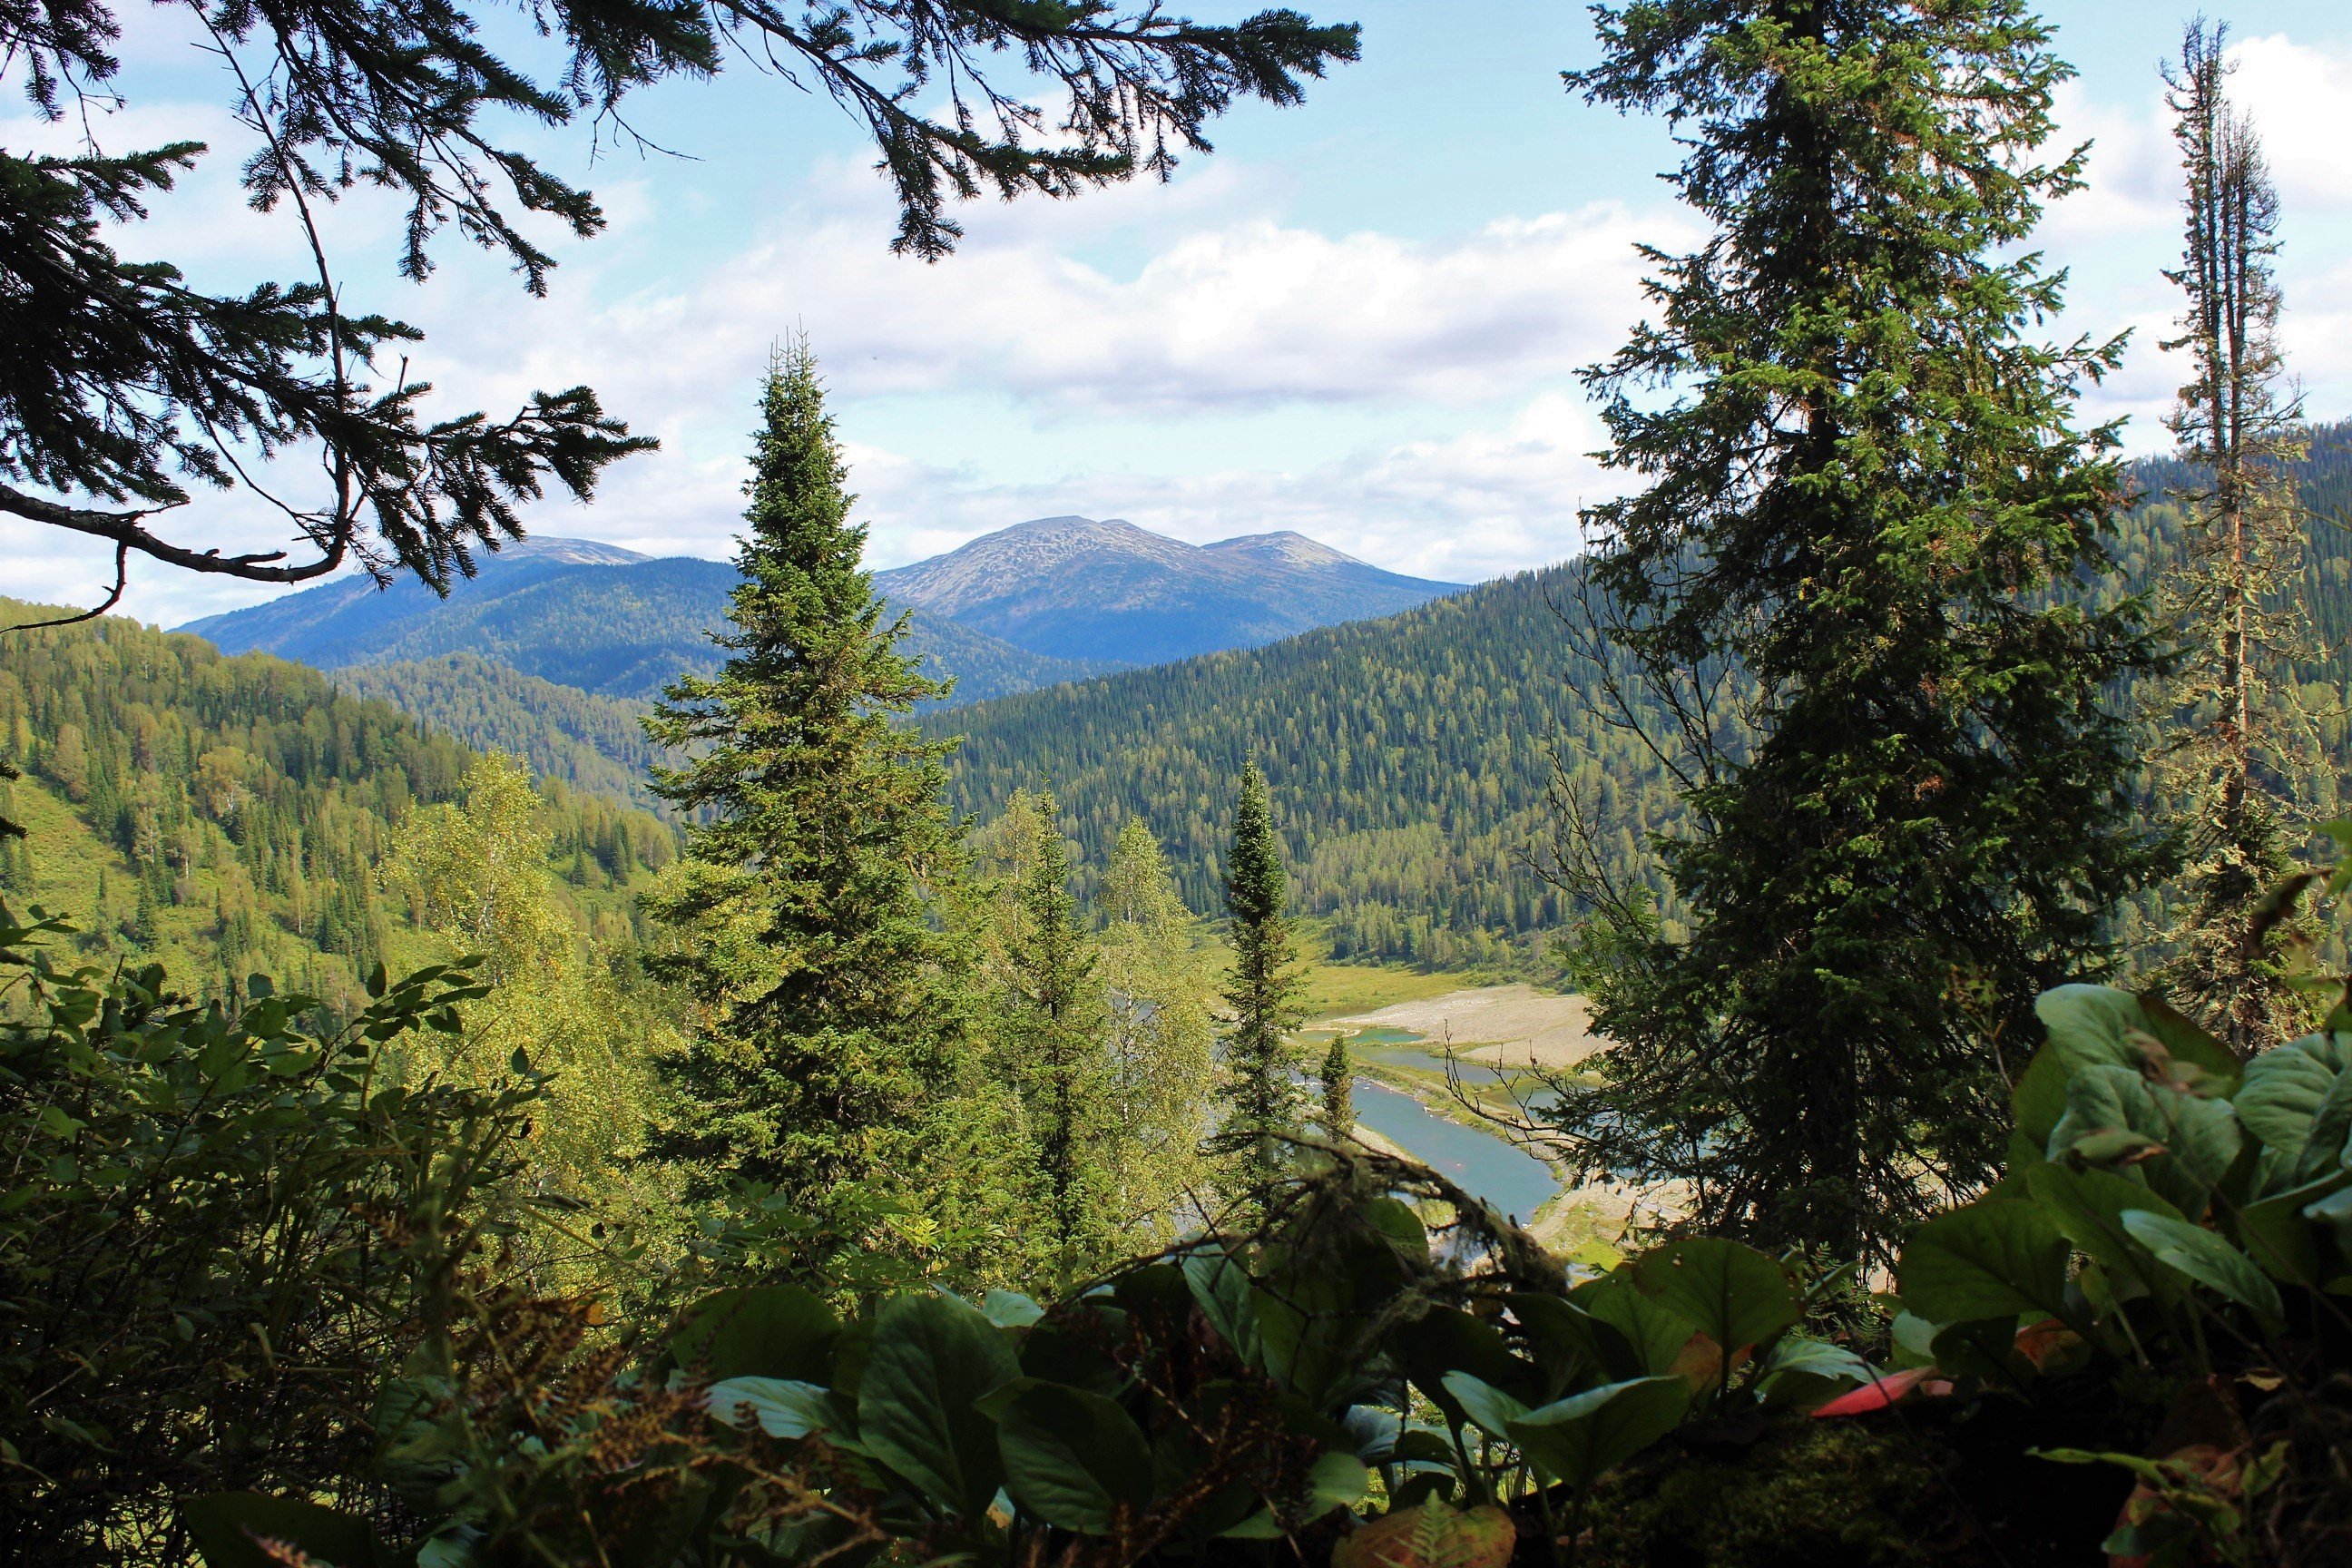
[
  {"x": 1259, "y": 1526},
  {"x": 1486, "y": 1408},
  {"x": 1010, "y": 1310},
  {"x": 1222, "y": 1289},
  {"x": 2278, "y": 1232},
  {"x": 1914, "y": 1339},
  {"x": 2334, "y": 1211},
  {"x": 761, "y": 1330},
  {"x": 1447, "y": 1339},
  {"x": 1372, "y": 1432},
  {"x": 1985, "y": 1260},
  {"x": 2297, "y": 1099},
  {"x": 1308, "y": 1336},
  {"x": 783, "y": 1408},
  {"x": 1334, "y": 1480},
  {"x": 1733, "y": 1294},
  {"x": 2200, "y": 1136},
  {"x": 219, "y": 1525},
  {"x": 1578, "y": 1439},
  {"x": 2091, "y": 1026},
  {"x": 1801, "y": 1373},
  {"x": 1075, "y": 1347},
  {"x": 1073, "y": 1459},
  {"x": 2040, "y": 1098},
  {"x": 1570, "y": 1343},
  {"x": 2204, "y": 1258},
  {"x": 932, "y": 1356},
  {"x": 2089, "y": 1205},
  {"x": 1395, "y": 1221},
  {"x": 2185, "y": 1042},
  {"x": 1655, "y": 1331}
]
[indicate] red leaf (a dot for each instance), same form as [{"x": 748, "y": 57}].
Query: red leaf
[{"x": 1880, "y": 1393}]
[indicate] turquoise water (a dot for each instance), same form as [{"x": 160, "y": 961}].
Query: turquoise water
[
  {"x": 1428, "y": 1061},
  {"x": 1384, "y": 1035},
  {"x": 1483, "y": 1164}
]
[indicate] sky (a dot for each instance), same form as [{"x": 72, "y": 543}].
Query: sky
[{"x": 1360, "y": 318}]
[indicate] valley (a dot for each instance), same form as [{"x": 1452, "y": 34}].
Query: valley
[{"x": 1799, "y": 1017}]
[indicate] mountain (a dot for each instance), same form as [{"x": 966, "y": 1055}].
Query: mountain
[
  {"x": 1071, "y": 587},
  {"x": 1412, "y": 759},
  {"x": 607, "y": 621}
]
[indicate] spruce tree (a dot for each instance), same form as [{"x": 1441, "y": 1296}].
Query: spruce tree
[
  {"x": 1060, "y": 1051},
  {"x": 1338, "y": 1075},
  {"x": 2243, "y": 732},
  {"x": 801, "y": 909},
  {"x": 1860, "y": 581},
  {"x": 1261, "y": 990}
]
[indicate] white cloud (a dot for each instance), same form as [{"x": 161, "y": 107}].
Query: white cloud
[
  {"x": 1248, "y": 314},
  {"x": 1465, "y": 509}
]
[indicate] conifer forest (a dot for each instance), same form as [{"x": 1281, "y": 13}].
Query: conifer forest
[{"x": 1803, "y": 1018}]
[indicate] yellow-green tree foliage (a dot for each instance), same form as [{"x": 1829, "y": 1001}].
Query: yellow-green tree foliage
[
  {"x": 1156, "y": 983},
  {"x": 477, "y": 874}
]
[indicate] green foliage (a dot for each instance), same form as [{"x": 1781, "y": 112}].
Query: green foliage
[
  {"x": 1261, "y": 993},
  {"x": 1156, "y": 989},
  {"x": 803, "y": 915},
  {"x": 479, "y": 875},
  {"x": 249, "y": 805},
  {"x": 1241, "y": 1391},
  {"x": 1058, "y": 1038},
  {"x": 218, "y": 1234},
  {"x": 1407, "y": 756},
  {"x": 595, "y": 744},
  {"x": 1336, "y": 1073},
  {"x": 2182, "y": 1226}
]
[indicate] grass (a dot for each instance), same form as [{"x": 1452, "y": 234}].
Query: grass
[{"x": 1338, "y": 990}]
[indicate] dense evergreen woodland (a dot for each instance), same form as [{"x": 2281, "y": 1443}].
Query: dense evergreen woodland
[{"x": 902, "y": 1154}]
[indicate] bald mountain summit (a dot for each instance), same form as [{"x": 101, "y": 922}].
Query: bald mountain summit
[{"x": 1119, "y": 596}]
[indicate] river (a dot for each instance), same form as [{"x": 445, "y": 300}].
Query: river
[{"x": 1483, "y": 1164}]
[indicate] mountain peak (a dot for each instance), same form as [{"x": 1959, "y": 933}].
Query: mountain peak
[
  {"x": 1105, "y": 590},
  {"x": 1285, "y": 545},
  {"x": 549, "y": 549}
]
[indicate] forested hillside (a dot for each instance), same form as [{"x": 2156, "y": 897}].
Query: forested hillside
[
  {"x": 1410, "y": 758},
  {"x": 236, "y": 813},
  {"x": 590, "y": 742}
]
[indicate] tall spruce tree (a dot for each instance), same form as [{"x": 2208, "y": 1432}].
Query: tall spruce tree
[
  {"x": 1870, "y": 525},
  {"x": 1063, "y": 1064},
  {"x": 1338, "y": 1075},
  {"x": 2245, "y": 735},
  {"x": 803, "y": 906},
  {"x": 1261, "y": 990}
]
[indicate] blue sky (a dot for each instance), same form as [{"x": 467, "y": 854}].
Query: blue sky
[{"x": 1360, "y": 318}]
